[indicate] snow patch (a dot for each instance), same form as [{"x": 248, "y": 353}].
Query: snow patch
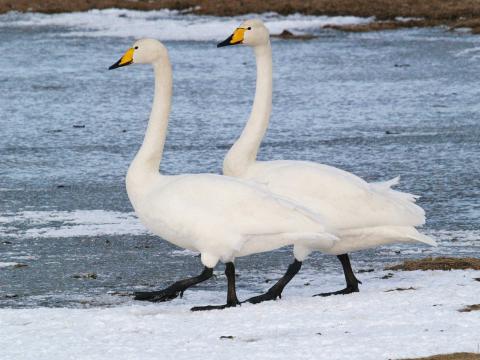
[
  {"x": 472, "y": 53},
  {"x": 184, "y": 252},
  {"x": 8, "y": 264},
  {"x": 373, "y": 324},
  {"x": 167, "y": 24},
  {"x": 51, "y": 224}
]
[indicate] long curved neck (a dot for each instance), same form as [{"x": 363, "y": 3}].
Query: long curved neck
[
  {"x": 244, "y": 151},
  {"x": 147, "y": 160}
]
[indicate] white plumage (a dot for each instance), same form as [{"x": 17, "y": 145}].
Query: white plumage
[
  {"x": 361, "y": 214},
  {"x": 218, "y": 216},
  {"x": 223, "y": 218}
]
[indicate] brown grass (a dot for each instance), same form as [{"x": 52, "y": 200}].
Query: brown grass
[
  {"x": 385, "y": 25},
  {"x": 472, "y": 23},
  {"x": 452, "y": 13},
  {"x": 469, "y": 308},
  {"x": 453, "y": 356},
  {"x": 439, "y": 263},
  {"x": 382, "y": 9},
  {"x": 287, "y": 35}
]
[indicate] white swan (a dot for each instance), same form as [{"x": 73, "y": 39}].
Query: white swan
[
  {"x": 218, "y": 216},
  {"x": 364, "y": 214}
]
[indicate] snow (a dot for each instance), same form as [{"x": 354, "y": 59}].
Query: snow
[
  {"x": 55, "y": 224},
  {"x": 373, "y": 324},
  {"x": 166, "y": 24},
  {"x": 8, "y": 264},
  {"x": 184, "y": 252}
]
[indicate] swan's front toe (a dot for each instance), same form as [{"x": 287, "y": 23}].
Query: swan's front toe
[
  {"x": 347, "y": 290},
  {"x": 215, "y": 307},
  {"x": 156, "y": 296},
  {"x": 268, "y": 296}
]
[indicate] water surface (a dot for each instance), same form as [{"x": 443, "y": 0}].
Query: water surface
[{"x": 377, "y": 104}]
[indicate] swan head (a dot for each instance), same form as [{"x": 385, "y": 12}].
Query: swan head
[
  {"x": 144, "y": 51},
  {"x": 251, "y": 33}
]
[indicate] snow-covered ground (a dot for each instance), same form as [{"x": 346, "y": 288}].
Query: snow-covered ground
[
  {"x": 50, "y": 224},
  {"x": 373, "y": 324},
  {"x": 168, "y": 24},
  {"x": 8, "y": 264}
]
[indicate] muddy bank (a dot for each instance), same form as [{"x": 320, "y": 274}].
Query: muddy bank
[
  {"x": 454, "y": 356},
  {"x": 452, "y": 13},
  {"x": 439, "y": 263}
]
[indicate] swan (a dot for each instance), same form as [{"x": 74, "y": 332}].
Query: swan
[
  {"x": 363, "y": 215},
  {"x": 220, "y": 217}
]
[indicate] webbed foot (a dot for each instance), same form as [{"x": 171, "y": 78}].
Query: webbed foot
[
  {"x": 175, "y": 290},
  {"x": 347, "y": 290},
  {"x": 215, "y": 307},
  {"x": 157, "y": 296},
  {"x": 268, "y": 296}
]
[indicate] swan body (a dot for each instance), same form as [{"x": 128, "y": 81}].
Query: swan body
[
  {"x": 218, "y": 216},
  {"x": 362, "y": 215},
  {"x": 223, "y": 218}
]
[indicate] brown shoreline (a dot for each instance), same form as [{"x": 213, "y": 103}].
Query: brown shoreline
[
  {"x": 454, "y": 356},
  {"x": 438, "y": 263},
  {"x": 451, "y": 13}
]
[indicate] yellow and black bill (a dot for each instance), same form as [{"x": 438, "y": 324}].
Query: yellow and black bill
[
  {"x": 234, "y": 39},
  {"x": 125, "y": 60}
]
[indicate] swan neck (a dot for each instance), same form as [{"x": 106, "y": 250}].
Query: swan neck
[
  {"x": 150, "y": 154},
  {"x": 244, "y": 151}
]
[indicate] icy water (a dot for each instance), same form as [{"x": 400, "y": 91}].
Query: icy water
[{"x": 377, "y": 104}]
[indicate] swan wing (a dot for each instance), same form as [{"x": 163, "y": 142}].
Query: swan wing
[{"x": 341, "y": 198}]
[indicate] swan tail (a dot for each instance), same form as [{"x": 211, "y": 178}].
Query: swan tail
[
  {"x": 424, "y": 239},
  {"x": 389, "y": 183},
  {"x": 386, "y": 187},
  {"x": 367, "y": 238},
  {"x": 405, "y": 202},
  {"x": 410, "y": 234}
]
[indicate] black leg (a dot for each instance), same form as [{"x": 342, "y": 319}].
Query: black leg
[
  {"x": 174, "y": 290},
  {"x": 232, "y": 300},
  {"x": 276, "y": 290},
  {"x": 352, "y": 281}
]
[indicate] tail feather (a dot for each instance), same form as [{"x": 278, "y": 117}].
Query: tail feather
[
  {"x": 404, "y": 201},
  {"x": 389, "y": 183},
  {"x": 367, "y": 238},
  {"x": 386, "y": 186},
  {"x": 424, "y": 239}
]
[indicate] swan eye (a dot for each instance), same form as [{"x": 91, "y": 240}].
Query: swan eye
[
  {"x": 136, "y": 47},
  {"x": 249, "y": 28}
]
